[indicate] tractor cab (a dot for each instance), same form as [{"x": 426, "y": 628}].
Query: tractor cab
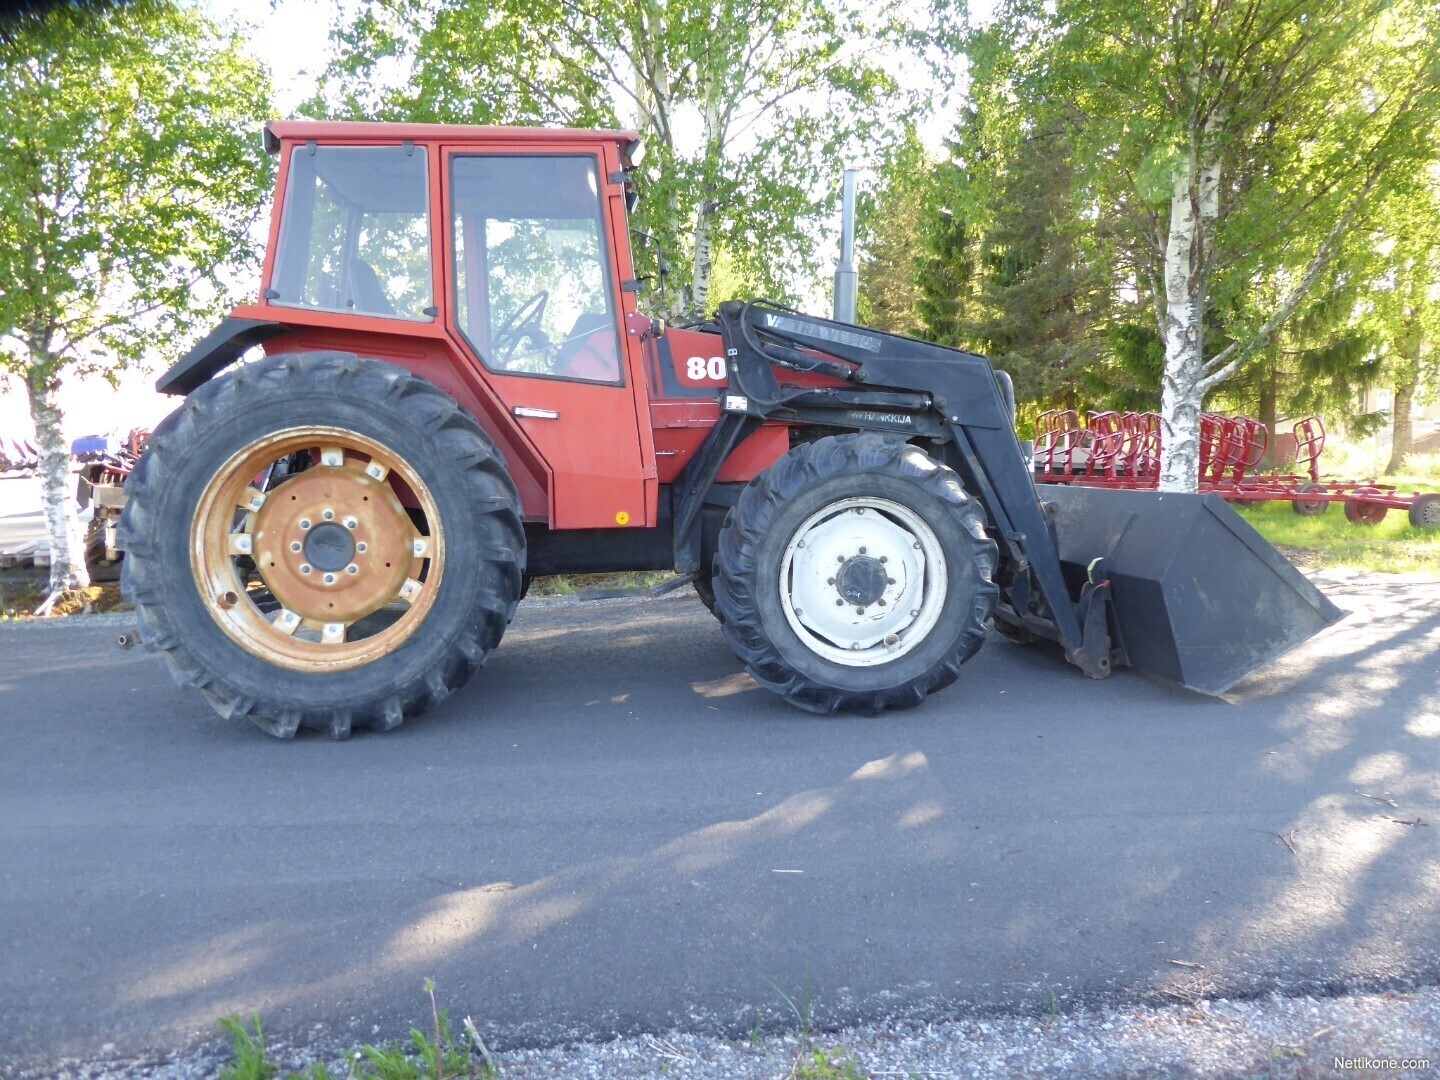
[
  {"x": 531, "y": 291},
  {"x": 496, "y": 261}
]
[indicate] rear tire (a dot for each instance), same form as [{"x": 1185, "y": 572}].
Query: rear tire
[
  {"x": 440, "y": 614},
  {"x": 916, "y": 575}
]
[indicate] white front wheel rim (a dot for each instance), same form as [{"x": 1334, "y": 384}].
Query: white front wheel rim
[{"x": 863, "y": 581}]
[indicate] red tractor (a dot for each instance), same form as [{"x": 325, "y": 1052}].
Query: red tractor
[{"x": 459, "y": 392}]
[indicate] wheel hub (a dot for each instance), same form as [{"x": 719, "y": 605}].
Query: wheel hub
[
  {"x": 861, "y": 580},
  {"x": 329, "y": 547},
  {"x": 334, "y": 544}
]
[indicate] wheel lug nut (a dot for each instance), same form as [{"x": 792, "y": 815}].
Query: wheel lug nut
[
  {"x": 840, "y": 603},
  {"x": 839, "y": 558},
  {"x": 328, "y": 515},
  {"x": 859, "y": 611},
  {"x": 883, "y": 559},
  {"x": 351, "y": 523},
  {"x": 305, "y": 568},
  {"x": 881, "y": 601},
  {"x": 362, "y": 547},
  {"x": 304, "y": 523},
  {"x": 862, "y": 551},
  {"x": 295, "y": 545},
  {"x": 329, "y": 579},
  {"x": 889, "y": 581},
  {"x": 352, "y": 569},
  {"x": 830, "y": 581}
]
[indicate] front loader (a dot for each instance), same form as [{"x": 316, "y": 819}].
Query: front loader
[{"x": 459, "y": 392}]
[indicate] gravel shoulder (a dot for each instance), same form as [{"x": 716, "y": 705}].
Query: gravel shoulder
[{"x": 1393, "y": 1034}]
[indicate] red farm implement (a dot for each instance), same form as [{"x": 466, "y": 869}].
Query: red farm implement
[{"x": 1122, "y": 450}]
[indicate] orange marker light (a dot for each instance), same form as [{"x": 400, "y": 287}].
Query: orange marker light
[{"x": 622, "y": 518}]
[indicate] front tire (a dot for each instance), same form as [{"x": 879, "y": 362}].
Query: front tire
[
  {"x": 855, "y": 574},
  {"x": 322, "y": 541}
]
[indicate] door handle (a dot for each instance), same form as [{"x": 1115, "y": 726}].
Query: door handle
[{"x": 535, "y": 414}]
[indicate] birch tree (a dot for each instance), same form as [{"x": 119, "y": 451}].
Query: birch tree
[
  {"x": 1401, "y": 305},
  {"x": 130, "y": 171},
  {"x": 1240, "y": 139},
  {"x": 777, "y": 93}
]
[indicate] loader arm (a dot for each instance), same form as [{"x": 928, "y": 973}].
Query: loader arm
[{"x": 1176, "y": 585}]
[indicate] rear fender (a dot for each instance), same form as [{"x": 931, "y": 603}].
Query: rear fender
[{"x": 216, "y": 351}]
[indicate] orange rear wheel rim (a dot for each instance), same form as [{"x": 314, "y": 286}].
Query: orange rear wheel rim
[{"x": 333, "y": 546}]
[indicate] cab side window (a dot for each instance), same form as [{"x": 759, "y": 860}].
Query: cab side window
[{"x": 355, "y": 232}]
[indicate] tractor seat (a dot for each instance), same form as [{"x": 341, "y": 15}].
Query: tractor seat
[
  {"x": 588, "y": 351},
  {"x": 366, "y": 293}
]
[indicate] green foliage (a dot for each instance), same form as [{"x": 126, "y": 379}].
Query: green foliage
[
  {"x": 780, "y": 92},
  {"x": 426, "y": 1057},
  {"x": 251, "y": 1060},
  {"x": 826, "y": 1065},
  {"x": 889, "y": 237},
  {"x": 1088, "y": 123},
  {"x": 130, "y": 175},
  {"x": 946, "y": 270}
]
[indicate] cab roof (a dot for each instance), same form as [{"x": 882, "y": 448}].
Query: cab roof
[{"x": 303, "y": 130}]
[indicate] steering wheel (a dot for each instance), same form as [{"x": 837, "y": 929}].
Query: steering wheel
[{"x": 523, "y": 322}]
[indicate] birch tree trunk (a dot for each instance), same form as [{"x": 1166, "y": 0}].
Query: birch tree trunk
[
  {"x": 67, "y": 544},
  {"x": 1194, "y": 205},
  {"x": 703, "y": 264}
]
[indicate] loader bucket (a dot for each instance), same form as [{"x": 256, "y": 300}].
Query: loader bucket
[{"x": 1199, "y": 597}]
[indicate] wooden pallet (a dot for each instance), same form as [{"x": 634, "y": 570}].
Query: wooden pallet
[
  {"x": 24, "y": 555},
  {"x": 37, "y": 552}
]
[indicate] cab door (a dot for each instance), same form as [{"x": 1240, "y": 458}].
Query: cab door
[{"x": 535, "y": 299}]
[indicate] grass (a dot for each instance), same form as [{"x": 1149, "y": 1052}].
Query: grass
[
  {"x": 1329, "y": 540},
  {"x": 433, "y": 1055},
  {"x": 19, "y": 598},
  {"x": 567, "y": 585},
  {"x": 1349, "y": 461},
  {"x": 812, "y": 1062}
]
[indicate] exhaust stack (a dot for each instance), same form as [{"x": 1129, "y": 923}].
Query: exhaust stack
[{"x": 846, "y": 277}]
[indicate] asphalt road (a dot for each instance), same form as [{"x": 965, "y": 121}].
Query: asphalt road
[{"x": 613, "y": 830}]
